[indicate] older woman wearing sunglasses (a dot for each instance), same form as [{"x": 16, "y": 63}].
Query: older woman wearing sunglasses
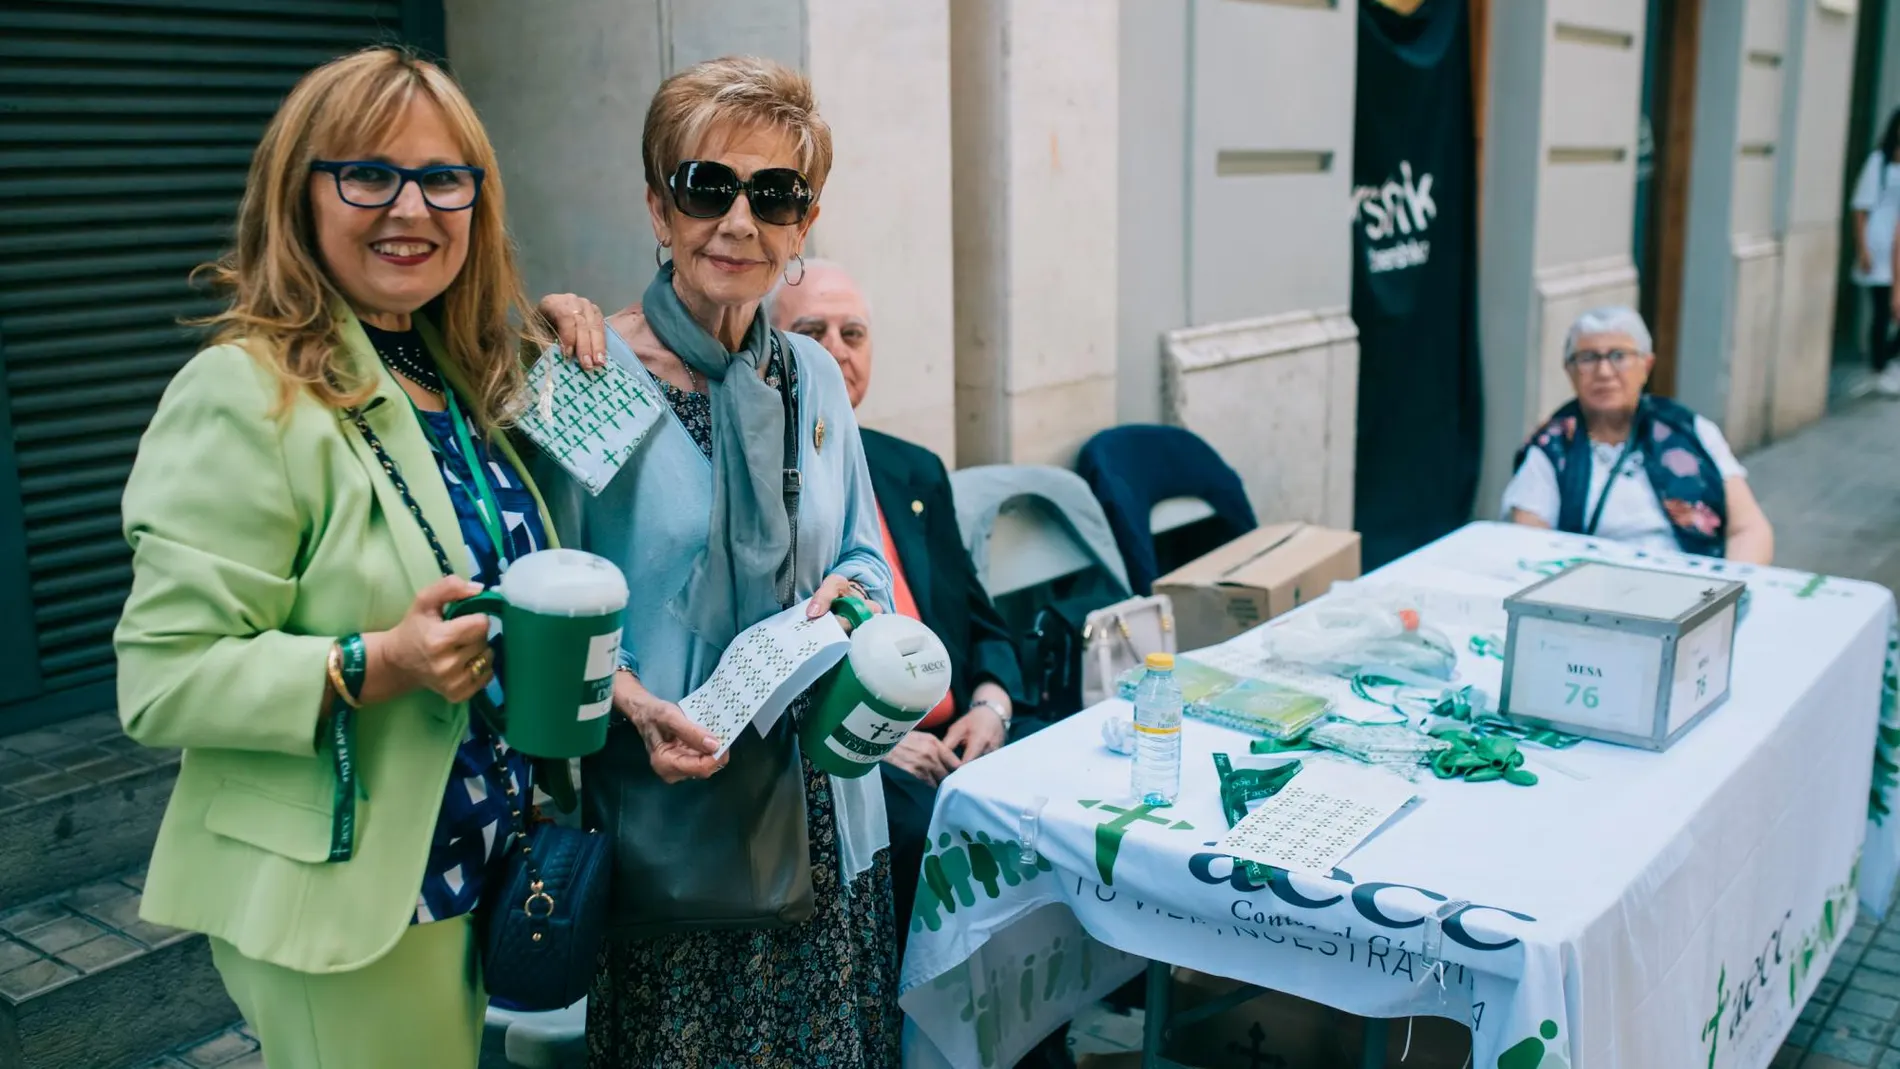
[
  {"x": 1620, "y": 463},
  {"x": 699, "y": 519}
]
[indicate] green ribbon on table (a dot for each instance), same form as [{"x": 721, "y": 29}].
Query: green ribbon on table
[
  {"x": 1461, "y": 706},
  {"x": 1479, "y": 760},
  {"x": 1238, "y": 786},
  {"x": 1488, "y": 646}
]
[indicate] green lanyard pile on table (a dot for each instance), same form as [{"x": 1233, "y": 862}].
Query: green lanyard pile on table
[
  {"x": 1481, "y": 747},
  {"x": 1479, "y": 760},
  {"x": 1459, "y": 705}
]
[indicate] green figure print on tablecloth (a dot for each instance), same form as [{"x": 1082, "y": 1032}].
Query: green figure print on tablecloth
[
  {"x": 1540, "y": 1051},
  {"x": 1887, "y": 740},
  {"x": 962, "y": 866},
  {"x": 1824, "y": 935},
  {"x": 1033, "y": 983}
]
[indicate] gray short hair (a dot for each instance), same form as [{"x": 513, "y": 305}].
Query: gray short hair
[
  {"x": 1609, "y": 319},
  {"x": 812, "y": 263}
]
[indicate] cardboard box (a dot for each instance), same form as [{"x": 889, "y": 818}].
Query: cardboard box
[
  {"x": 1281, "y": 1031},
  {"x": 1273, "y": 1029},
  {"x": 1256, "y": 577}
]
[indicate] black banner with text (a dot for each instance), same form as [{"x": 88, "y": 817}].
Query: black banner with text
[{"x": 1414, "y": 282}]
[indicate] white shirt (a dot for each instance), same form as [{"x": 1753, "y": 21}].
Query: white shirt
[
  {"x": 1632, "y": 515},
  {"x": 1881, "y": 201}
]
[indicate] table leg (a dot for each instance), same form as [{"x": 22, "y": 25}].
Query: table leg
[
  {"x": 1372, "y": 1055},
  {"x": 1154, "y": 1025}
]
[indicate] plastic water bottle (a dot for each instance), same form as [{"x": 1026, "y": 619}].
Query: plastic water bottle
[{"x": 1157, "y": 777}]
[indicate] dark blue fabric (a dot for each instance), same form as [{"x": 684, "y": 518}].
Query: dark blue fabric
[
  {"x": 1684, "y": 476},
  {"x": 474, "y": 827},
  {"x": 1134, "y": 467}
]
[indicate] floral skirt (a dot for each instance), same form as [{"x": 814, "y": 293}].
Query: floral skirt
[{"x": 822, "y": 993}]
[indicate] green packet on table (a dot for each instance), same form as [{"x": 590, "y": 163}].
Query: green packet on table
[
  {"x": 1196, "y": 680},
  {"x": 1258, "y": 707},
  {"x": 1255, "y": 706}
]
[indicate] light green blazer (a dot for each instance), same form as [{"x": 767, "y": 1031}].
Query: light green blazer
[{"x": 258, "y": 539}]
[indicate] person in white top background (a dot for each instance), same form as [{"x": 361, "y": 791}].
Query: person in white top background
[
  {"x": 1625, "y": 465},
  {"x": 1876, "y": 207}
]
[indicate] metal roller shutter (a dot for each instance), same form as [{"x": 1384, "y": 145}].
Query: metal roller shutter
[{"x": 126, "y": 128}]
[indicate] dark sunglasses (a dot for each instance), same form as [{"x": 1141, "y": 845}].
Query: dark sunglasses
[
  {"x": 704, "y": 189},
  {"x": 373, "y": 184}
]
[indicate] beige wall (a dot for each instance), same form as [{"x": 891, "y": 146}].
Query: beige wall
[
  {"x": 1034, "y": 120},
  {"x": 882, "y": 72},
  {"x": 1559, "y": 193},
  {"x": 1814, "y": 139},
  {"x": 1151, "y": 283},
  {"x": 563, "y": 89},
  {"x": 1278, "y": 398},
  {"x": 1257, "y": 272}
]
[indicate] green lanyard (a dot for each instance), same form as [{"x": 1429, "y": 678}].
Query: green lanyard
[
  {"x": 485, "y": 507},
  {"x": 1609, "y": 484}
]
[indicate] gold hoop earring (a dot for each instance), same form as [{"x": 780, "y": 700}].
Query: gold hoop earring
[{"x": 800, "y": 261}]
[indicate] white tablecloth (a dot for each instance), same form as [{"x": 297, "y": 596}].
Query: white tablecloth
[{"x": 1633, "y": 909}]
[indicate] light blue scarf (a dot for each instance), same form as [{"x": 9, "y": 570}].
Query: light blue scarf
[{"x": 734, "y": 580}]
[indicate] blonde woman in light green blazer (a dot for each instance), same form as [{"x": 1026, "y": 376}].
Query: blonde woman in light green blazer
[{"x": 271, "y": 548}]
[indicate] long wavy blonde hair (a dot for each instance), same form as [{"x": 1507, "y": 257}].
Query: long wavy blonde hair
[{"x": 282, "y": 299}]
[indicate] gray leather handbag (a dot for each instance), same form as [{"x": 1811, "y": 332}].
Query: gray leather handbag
[
  {"x": 732, "y": 851},
  {"x": 728, "y": 852}
]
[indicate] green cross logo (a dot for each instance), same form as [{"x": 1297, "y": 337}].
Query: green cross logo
[
  {"x": 1108, "y": 834},
  {"x": 1712, "y": 1030}
]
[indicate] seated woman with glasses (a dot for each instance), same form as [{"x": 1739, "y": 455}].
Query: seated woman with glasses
[{"x": 1626, "y": 465}]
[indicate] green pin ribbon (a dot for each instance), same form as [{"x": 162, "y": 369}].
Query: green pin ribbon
[
  {"x": 1462, "y": 705},
  {"x": 1479, "y": 760},
  {"x": 355, "y": 668},
  {"x": 1487, "y": 646}
]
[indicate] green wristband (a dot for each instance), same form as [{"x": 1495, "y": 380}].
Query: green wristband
[{"x": 355, "y": 665}]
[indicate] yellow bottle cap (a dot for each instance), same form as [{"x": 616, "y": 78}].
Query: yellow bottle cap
[{"x": 1161, "y": 661}]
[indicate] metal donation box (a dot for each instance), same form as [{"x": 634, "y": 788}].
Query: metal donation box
[{"x": 1617, "y": 654}]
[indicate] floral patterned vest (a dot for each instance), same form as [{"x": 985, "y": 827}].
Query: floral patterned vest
[{"x": 1680, "y": 470}]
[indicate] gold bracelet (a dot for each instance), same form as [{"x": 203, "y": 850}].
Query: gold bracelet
[{"x": 335, "y": 667}]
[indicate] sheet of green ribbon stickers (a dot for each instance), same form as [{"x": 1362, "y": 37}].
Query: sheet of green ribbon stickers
[{"x": 590, "y": 422}]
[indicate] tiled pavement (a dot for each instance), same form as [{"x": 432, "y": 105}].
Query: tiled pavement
[
  {"x": 1833, "y": 493},
  {"x": 234, "y": 1048},
  {"x": 59, "y": 939},
  {"x": 40, "y": 765}
]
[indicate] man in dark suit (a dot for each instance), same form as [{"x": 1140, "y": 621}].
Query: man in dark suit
[{"x": 934, "y": 579}]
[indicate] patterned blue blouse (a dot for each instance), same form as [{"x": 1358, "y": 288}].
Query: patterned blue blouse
[{"x": 473, "y": 829}]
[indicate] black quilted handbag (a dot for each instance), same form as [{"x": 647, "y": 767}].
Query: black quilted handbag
[{"x": 542, "y": 922}]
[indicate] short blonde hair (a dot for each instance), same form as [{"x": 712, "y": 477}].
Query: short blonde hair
[
  {"x": 736, "y": 91},
  {"x": 280, "y": 294}
]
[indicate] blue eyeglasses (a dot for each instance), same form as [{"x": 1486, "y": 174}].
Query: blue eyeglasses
[{"x": 372, "y": 184}]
